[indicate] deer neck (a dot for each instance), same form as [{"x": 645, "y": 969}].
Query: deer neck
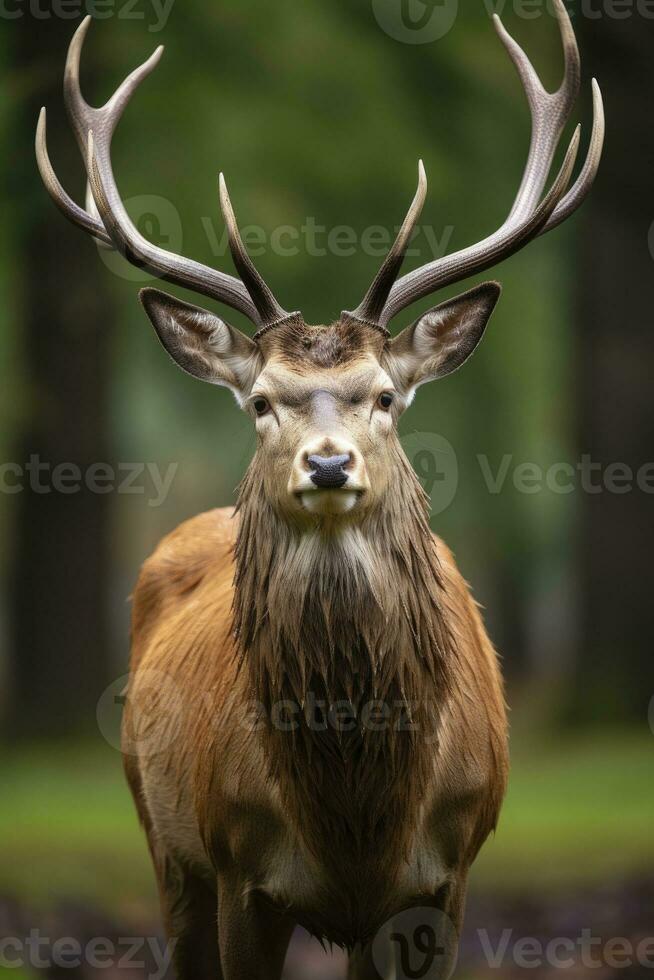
[{"x": 344, "y": 636}]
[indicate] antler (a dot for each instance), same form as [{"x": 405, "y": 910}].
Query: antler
[
  {"x": 94, "y": 129},
  {"x": 370, "y": 310},
  {"x": 527, "y": 219}
]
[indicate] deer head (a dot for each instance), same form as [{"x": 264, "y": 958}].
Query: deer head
[{"x": 326, "y": 399}]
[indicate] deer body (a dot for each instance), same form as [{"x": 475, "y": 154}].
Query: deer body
[
  {"x": 271, "y": 815},
  {"x": 315, "y": 729}
]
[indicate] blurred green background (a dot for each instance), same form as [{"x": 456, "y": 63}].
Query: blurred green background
[{"x": 317, "y": 113}]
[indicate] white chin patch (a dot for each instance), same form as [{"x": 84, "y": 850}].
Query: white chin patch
[{"x": 329, "y": 501}]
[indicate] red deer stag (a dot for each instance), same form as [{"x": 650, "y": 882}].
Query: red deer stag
[{"x": 374, "y": 765}]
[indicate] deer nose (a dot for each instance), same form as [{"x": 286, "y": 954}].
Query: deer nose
[{"x": 329, "y": 471}]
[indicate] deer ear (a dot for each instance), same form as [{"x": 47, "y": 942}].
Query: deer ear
[
  {"x": 202, "y": 344},
  {"x": 441, "y": 340}
]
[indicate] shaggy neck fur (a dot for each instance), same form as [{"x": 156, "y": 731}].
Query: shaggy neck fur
[{"x": 346, "y": 618}]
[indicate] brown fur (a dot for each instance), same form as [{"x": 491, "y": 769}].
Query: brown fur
[
  {"x": 308, "y": 347},
  {"x": 345, "y": 636},
  {"x": 356, "y": 801}
]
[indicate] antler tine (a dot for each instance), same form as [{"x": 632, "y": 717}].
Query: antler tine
[
  {"x": 94, "y": 128},
  {"x": 508, "y": 245},
  {"x": 571, "y": 83},
  {"x": 77, "y": 215},
  {"x": 550, "y": 112},
  {"x": 371, "y": 307},
  {"x": 258, "y": 289},
  {"x": 477, "y": 258},
  {"x": 581, "y": 188},
  {"x": 84, "y": 117},
  {"x": 100, "y": 198},
  {"x": 103, "y": 120},
  {"x": 101, "y": 123}
]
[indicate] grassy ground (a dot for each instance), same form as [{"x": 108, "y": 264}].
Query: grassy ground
[{"x": 579, "y": 811}]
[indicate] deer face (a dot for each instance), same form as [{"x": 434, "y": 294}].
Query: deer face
[
  {"x": 325, "y": 410},
  {"x": 323, "y": 434},
  {"x": 325, "y": 400}
]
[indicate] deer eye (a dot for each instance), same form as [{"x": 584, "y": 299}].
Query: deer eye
[
  {"x": 385, "y": 400},
  {"x": 261, "y": 405}
]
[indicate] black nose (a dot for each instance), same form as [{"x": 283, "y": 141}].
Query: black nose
[{"x": 328, "y": 472}]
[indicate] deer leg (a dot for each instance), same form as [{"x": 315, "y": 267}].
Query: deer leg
[
  {"x": 361, "y": 966},
  {"x": 189, "y": 904},
  {"x": 254, "y": 937},
  {"x": 190, "y": 911}
]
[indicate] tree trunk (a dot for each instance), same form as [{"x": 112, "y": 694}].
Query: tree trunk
[
  {"x": 614, "y": 678},
  {"x": 58, "y": 613}
]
